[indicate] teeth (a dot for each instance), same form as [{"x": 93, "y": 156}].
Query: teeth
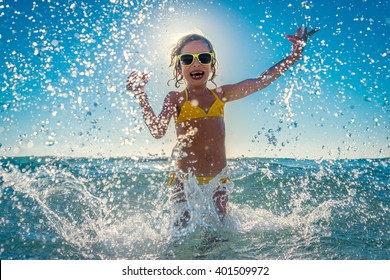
[{"x": 197, "y": 74}]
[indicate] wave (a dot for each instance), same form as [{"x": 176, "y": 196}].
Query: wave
[{"x": 120, "y": 209}]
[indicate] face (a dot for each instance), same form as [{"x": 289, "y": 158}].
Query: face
[{"x": 196, "y": 73}]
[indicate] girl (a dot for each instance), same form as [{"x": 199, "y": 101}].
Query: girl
[{"x": 198, "y": 113}]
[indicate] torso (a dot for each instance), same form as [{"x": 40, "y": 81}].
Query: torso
[{"x": 202, "y": 140}]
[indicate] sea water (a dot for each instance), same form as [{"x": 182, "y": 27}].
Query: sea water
[{"x": 120, "y": 208}]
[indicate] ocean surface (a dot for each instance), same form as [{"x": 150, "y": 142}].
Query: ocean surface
[{"x": 119, "y": 208}]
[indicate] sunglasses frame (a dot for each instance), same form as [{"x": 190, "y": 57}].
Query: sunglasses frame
[{"x": 195, "y": 55}]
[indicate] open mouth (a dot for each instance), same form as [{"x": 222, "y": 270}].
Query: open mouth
[{"x": 197, "y": 75}]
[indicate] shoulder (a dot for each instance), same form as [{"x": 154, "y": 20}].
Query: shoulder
[
  {"x": 220, "y": 92},
  {"x": 175, "y": 97}
]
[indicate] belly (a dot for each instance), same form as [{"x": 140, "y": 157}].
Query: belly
[{"x": 203, "y": 143}]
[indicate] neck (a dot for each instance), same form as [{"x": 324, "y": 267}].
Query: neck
[{"x": 197, "y": 90}]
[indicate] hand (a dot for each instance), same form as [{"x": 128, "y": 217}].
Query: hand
[
  {"x": 300, "y": 42},
  {"x": 137, "y": 81}
]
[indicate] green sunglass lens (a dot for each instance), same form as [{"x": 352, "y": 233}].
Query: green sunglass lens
[
  {"x": 205, "y": 58},
  {"x": 186, "y": 59}
]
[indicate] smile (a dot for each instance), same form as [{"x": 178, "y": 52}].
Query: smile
[{"x": 197, "y": 75}]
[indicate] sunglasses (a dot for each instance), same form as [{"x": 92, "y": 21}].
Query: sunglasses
[{"x": 188, "y": 58}]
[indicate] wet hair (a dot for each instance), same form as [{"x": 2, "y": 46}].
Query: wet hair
[{"x": 176, "y": 50}]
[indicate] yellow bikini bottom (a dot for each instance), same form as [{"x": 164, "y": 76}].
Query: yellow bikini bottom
[{"x": 201, "y": 180}]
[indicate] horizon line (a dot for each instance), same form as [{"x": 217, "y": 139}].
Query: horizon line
[{"x": 156, "y": 157}]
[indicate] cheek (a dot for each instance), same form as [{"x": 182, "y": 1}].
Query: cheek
[{"x": 185, "y": 70}]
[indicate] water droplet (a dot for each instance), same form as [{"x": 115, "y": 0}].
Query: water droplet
[
  {"x": 194, "y": 102},
  {"x": 30, "y": 144},
  {"x": 50, "y": 143},
  {"x": 367, "y": 99}
]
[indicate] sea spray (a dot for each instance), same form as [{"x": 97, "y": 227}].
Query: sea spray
[{"x": 120, "y": 208}]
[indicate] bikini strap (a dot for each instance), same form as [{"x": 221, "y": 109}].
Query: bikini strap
[
  {"x": 215, "y": 95},
  {"x": 186, "y": 92}
]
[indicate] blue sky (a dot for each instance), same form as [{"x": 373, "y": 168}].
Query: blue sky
[{"x": 64, "y": 66}]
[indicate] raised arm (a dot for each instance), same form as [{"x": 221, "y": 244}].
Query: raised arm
[
  {"x": 247, "y": 87},
  {"x": 157, "y": 125}
]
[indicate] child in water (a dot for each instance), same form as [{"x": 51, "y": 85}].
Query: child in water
[{"x": 198, "y": 113}]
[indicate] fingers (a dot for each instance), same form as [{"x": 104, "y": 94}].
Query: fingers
[
  {"x": 313, "y": 31},
  {"x": 137, "y": 80},
  {"x": 298, "y": 33},
  {"x": 133, "y": 75},
  {"x": 145, "y": 76},
  {"x": 142, "y": 75},
  {"x": 304, "y": 33},
  {"x": 301, "y": 35},
  {"x": 293, "y": 39}
]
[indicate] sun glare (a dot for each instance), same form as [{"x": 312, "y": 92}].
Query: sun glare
[{"x": 169, "y": 33}]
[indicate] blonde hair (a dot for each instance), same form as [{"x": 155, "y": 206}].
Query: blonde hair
[{"x": 176, "y": 50}]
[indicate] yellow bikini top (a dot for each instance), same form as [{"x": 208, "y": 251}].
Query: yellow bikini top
[{"x": 190, "y": 111}]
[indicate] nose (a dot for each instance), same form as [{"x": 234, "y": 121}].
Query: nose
[{"x": 196, "y": 62}]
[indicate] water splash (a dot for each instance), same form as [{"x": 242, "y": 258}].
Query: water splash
[{"x": 121, "y": 209}]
